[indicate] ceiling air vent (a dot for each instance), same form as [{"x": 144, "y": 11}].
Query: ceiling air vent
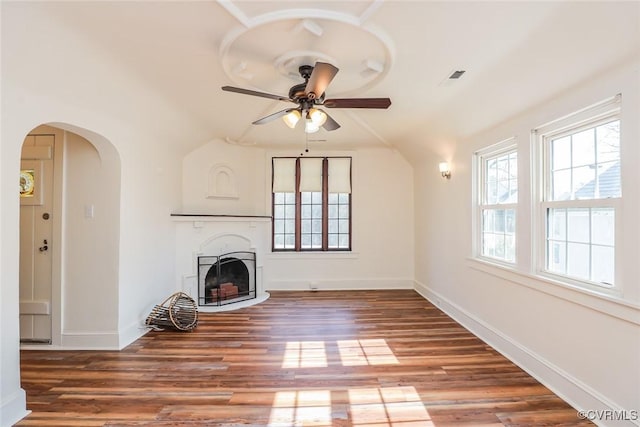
[{"x": 456, "y": 75}]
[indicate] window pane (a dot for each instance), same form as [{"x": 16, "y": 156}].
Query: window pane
[
  {"x": 278, "y": 198},
  {"x": 608, "y": 142},
  {"x": 305, "y": 211},
  {"x": 499, "y": 220},
  {"x": 278, "y": 226},
  {"x": 278, "y": 241},
  {"x": 333, "y": 198},
  {"x": 316, "y": 197},
  {"x": 561, "y": 153},
  {"x": 289, "y": 226},
  {"x": 333, "y": 240},
  {"x": 510, "y": 248},
  {"x": 305, "y": 241},
  {"x": 510, "y": 221},
  {"x": 603, "y": 226},
  {"x": 488, "y": 244},
  {"x": 584, "y": 182},
  {"x": 333, "y": 226},
  {"x": 578, "y": 229},
  {"x": 305, "y": 226},
  {"x": 290, "y": 241},
  {"x": 584, "y": 148},
  {"x": 488, "y": 219},
  {"x": 333, "y": 211},
  {"x": 316, "y": 226},
  {"x": 289, "y": 211},
  {"x": 343, "y": 197},
  {"x": 343, "y": 241},
  {"x": 503, "y": 191},
  {"x": 316, "y": 211},
  {"x": 513, "y": 166},
  {"x": 578, "y": 260},
  {"x": 557, "y": 224},
  {"x": 561, "y": 185},
  {"x": 499, "y": 245},
  {"x": 343, "y": 226},
  {"x": 608, "y": 180},
  {"x": 344, "y": 211},
  {"x": 492, "y": 193},
  {"x": 603, "y": 264},
  {"x": 557, "y": 257},
  {"x": 305, "y": 197},
  {"x": 316, "y": 240},
  {"x": 290, "y": 198}
]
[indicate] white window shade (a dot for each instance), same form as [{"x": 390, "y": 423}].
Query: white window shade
[
  {"x": 340, "y": 175},
  {"x": 284, "y": 175},
  {"x": 310, "y": 174}
]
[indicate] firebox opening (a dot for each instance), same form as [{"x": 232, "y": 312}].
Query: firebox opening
[{"x": 227, "y": 278}]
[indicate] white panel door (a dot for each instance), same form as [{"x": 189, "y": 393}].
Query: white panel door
[{"x": 36, "y": 206}]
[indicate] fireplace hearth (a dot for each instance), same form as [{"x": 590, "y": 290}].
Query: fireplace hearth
[{"x": 227, "y": 278}]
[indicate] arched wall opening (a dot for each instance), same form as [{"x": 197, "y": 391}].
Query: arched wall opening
[{"x": 83, "y": 247}]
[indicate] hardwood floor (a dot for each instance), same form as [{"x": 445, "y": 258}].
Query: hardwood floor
[{"x": 363, "y": 358}]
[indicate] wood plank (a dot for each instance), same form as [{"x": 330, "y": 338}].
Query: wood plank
[{"x": 375, "y": 358}]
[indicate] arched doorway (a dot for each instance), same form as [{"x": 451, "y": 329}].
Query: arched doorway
[{"x": 69, "y": 232}]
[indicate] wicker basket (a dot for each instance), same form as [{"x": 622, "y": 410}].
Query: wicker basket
[{"x": 179, "y": 311}]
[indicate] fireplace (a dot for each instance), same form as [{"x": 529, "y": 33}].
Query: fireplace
[{"x": 226, "y": 279}]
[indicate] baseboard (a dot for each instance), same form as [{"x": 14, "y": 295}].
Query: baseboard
[
  {"x": 83, "y": 340},
  {"x": 338, "y": 285},
  {"x": 13, "y": 409},
  {"x": 570, "y": 389}
]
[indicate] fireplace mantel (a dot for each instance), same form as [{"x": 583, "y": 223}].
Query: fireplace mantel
[{"x": 213, "y": 217}]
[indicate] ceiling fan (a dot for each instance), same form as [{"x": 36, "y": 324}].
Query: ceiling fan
[{"x": 308, "y": 96}]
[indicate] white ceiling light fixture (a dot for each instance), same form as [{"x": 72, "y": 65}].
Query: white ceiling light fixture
[
  {"x": 318, "y": 117},
  {"x": 310, "y": 127},
  {"x": 291, "y": 118}
]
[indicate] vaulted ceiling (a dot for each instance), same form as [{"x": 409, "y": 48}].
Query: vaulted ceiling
[{"x": 515, "y": 55}]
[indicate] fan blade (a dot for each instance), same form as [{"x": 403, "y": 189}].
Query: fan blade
[
  {"x": 320, "y": 78},
  {"x": 330, "y": 124},
  {"x": 273, "y": 116},
  {"x": 357, "y": 103},
  {"x": 254, "y": 93}
]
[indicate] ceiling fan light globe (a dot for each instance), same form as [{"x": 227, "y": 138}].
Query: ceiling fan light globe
[
  {"x": 310, "y": 127},
  {"x": 318, "y": 117},
  {"x": 291, "y": 118}
]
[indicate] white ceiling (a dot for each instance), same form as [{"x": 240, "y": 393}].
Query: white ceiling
[{"x": 515, "y": 54}]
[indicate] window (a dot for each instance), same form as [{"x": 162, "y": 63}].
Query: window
[
  {"x": 311, "y": 204},
  {"x": 581, "y": 193},
  {"x": 497, "y": 201}
]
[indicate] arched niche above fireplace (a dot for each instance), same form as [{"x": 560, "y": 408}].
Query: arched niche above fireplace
[{"x": 222, "y": 183}]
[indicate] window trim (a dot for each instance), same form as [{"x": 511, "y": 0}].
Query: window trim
[
  {"x": 586, "y": 118},
  {"x": 325, "y": 209},
  {"x": 498, "y": 149}
]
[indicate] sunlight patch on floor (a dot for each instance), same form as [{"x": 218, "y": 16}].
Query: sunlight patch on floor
[
  {"x": 305, "y": 354},
  {"x": 388, "y": 406},
  {"x": 301, "y": 408},
  {"x": 366, "y": 352}
]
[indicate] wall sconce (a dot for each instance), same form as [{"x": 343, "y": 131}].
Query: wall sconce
[{"x": 445, "y": 170}]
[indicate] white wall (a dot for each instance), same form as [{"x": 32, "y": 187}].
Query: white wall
[
  {"x": 585, "y": 347},
  {"x": 91, "y": 244},
  {"x": 56, "y": 76},
  {"x": 247, "y": 169},
  {"x": 382, "y": 220}
]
